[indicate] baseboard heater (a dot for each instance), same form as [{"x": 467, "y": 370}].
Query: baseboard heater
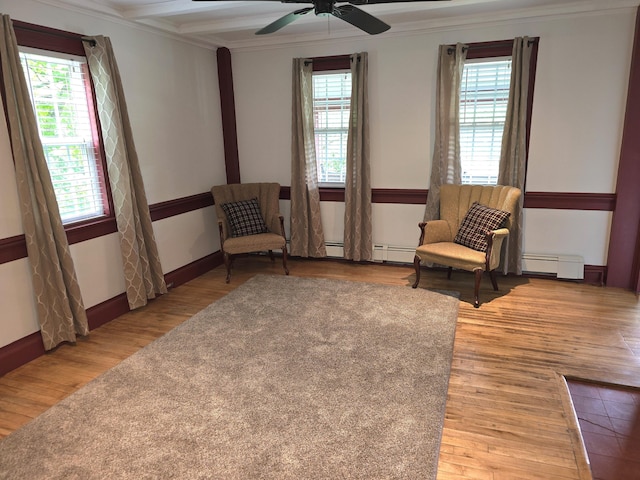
[
  {"x": 381, "y": 253},
  {"x": 563, "y": 266}
]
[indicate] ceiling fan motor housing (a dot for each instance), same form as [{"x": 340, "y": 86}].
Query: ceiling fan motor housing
[{"x": 324, "y": 7}]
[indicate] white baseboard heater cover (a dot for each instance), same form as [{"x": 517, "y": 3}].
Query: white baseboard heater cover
[
  {"x": 563, "y": 266},
  {"x": 381, "y": 253}
]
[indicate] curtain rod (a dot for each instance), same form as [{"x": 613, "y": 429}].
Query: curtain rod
[
  {"x": 90, "y": 41},
  {"x": 56, "y": 33},
  {"x": 310, "y": 61},
  {"x": 488, "y": 45}
]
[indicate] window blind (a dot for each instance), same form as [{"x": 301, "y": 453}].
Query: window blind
[
  {"x": 58, "y": 88},
  {"x": 483, "y": 108},
  {"x": 331, "y": 103}
]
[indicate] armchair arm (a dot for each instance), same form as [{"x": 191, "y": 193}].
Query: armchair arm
[
  {"x": 223, "y": 234},
  {"x": 281, "y": 218},
  {"x": 434, "y": 231},
  {"x": 273, "y": 222},
  {"x": 501, "y": 233},
  {"x": 494, "y": 247}
]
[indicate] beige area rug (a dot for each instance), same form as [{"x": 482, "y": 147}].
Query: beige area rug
[{"x": 283, "y": 378}]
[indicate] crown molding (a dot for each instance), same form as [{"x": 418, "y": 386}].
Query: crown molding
[
  {"x": 560, "y": 12},
  {"x": 165, "y": 29},
  {"x": 196, "y": 33}
]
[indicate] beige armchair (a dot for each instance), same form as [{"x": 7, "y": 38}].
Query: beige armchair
[
  {"x": 438, "y": 237},
  {"x": 249, "y": 220}
]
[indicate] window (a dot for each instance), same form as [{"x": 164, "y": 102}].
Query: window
[
  {"x": 331, "y": 103},
  {"x": 58, "y": 88},
  {"x": 484, "y": 97},
  {"x": 56, "y": 45}
]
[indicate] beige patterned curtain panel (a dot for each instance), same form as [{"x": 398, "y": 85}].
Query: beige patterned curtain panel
[
  {"x": 307, "y": 237},
  {"x": 60, "y": 309},
  {"x": 514, "y": 146},
  {"x": 358, "y": 242},
  {"x": 142, "y": 269},
  {"x": 445, "y": 166}
]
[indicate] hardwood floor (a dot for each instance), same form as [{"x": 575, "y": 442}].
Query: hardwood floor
[{"x": 508, "y": 415}]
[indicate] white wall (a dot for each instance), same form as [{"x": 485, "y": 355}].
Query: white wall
[
  {"x": 172, "y": 94},
  {"x": 172, "y": 91},
  {"x": 580, "y": 95}
]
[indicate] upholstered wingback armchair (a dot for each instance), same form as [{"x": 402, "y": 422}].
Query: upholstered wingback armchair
[
  {"x": 249, "y": 220},
  {"x": 474, "y": 221}
]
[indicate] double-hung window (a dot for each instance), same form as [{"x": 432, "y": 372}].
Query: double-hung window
[
  {"x": 62, "y": 97},
  {"x": 484, "y": 96},
  {"x": 58, "y": 86},
  {"x": 331, "y": 108}
]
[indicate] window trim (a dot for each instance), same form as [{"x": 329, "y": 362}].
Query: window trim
[
  {"x": 504, "y": 48},
  {"x": 60, "y": 41}
]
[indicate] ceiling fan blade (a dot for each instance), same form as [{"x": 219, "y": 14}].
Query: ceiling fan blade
[
  {"x": 372, "y": 2},
  {"x": 361, "y": 19},
  {"x": 283, "y": 21}
]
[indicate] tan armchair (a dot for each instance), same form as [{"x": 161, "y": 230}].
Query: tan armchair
[
  {"x": 437, "y": 237},
  {"x": 234, "y": 238}
]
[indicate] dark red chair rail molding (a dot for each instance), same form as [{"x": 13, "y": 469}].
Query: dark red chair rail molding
[
  {"x": 14, "y": 248},
  {"x": 378, "y": 195},
  {"x": 179, "y": 206},
  {"x": 400, "y": 196},
  {"x": 570, "y": 201},
  {"x": 549, "y": 200}
]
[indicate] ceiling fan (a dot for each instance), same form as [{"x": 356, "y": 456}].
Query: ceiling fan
[{"x": 349, "y": 13}]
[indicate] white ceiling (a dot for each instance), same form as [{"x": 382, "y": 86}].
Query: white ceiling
[{"x": 233, "y": 23}]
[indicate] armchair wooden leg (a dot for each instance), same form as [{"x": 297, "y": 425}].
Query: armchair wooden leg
[
  {"x": 449, "y": 273},
  {"x": 492, "y": 275},
  {"x": 284, "y": 247},
  {"x": 284, "y": 259},
  {"x": 476, "y": 289},
  {"x": 416, "y": 265},
  {"x": 271, "y": 256},
  {"x": 227, "y": 263}
]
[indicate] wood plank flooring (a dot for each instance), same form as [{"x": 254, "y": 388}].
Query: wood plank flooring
[{"x": 507, "y": 413}]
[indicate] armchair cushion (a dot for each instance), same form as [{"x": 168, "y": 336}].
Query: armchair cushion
[
  {"x": 244, "y": 218},
  {"x": 479, "y": 220}
]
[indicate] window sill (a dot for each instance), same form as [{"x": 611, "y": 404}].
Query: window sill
[{"x": 82, "y": 231}]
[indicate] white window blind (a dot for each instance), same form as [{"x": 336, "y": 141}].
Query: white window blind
[
  {"x": 483, "y": 108},
  {"x": 331, "y": 102},
  {"x": 58, "y": 90}
]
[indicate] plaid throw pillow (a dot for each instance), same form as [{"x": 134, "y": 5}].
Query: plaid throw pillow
[
  {"x": 479, "y": 220},
  {"x": 244, "y": 218}
]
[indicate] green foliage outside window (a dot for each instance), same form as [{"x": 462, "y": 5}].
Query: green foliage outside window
[{"x": 60, "y": 103}]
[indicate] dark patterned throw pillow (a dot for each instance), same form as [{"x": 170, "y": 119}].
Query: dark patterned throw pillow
[
  {"x": 479, "y": 220},
  {"x": 244, "y": 218}
]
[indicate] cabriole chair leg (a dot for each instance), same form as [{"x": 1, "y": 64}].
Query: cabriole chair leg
[
  {"x": 416, "y": 265},
  {"x": 476, "y": 289},
  {"x": 227, "y": 263},
  {"x": 492, "y": 276},
  {"x": 284, "y": 260}
]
